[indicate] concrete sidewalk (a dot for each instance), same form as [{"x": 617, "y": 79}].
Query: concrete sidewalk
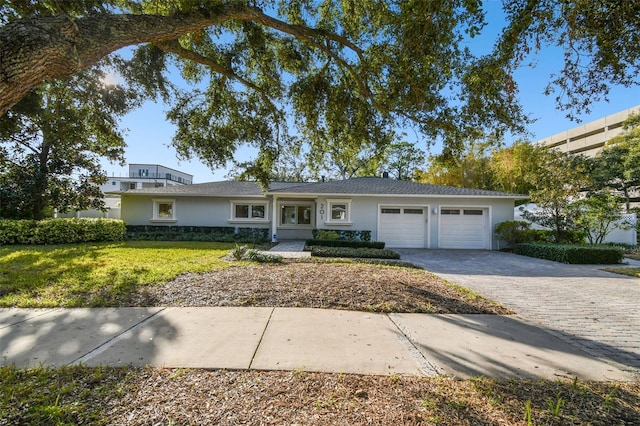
[{"x": 295, "y": 339}]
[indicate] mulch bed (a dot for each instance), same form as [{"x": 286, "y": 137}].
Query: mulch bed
[
  {"x": 358, "y": 287},
  {"x": 300, "y": 398}
]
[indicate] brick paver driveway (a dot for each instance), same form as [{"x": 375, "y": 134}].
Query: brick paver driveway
[{"x": 592, "y": 309}]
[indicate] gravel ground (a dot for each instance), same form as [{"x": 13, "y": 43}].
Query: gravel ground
[{"x": 358, "y": 287}]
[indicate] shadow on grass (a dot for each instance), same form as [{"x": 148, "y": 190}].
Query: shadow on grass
[{"x": 81, "y": 275}]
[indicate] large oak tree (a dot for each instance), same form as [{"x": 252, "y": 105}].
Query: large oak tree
[{"x": 263, "y": 69}]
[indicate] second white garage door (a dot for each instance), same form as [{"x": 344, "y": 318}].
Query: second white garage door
[
  {"x": 464, "y": 228},
  {"x": 402, "y": 226}
]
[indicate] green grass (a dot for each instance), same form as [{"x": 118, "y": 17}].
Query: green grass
[
  {"x": 632, "y": 272},
  {"x": 101, "y": 274},
  {"x": 61, "y": 396}
]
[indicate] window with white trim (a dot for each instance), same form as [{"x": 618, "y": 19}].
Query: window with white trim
[
  {"x": 164, "y": 210},
  {"x": 248, "y": 211},
  {"x": 339, "y": 211}
]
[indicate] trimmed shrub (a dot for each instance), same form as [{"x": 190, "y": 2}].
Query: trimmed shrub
[
  {"x": 223, "y": 234},
  {"x": 343, "y": 234},
  {"x": 516, "y": 231},
  {"x": 323, "y": 234},
  {"x": 17, "y": 231},
  {"x": 345, "y": 243},
  {"x": 253, "y": 234},
  {"x": 512, "y": 231},
  {"x": 369, "y": 253},
  {"x": 61, "y": 231},
  {"x": 574, "y": 254}
]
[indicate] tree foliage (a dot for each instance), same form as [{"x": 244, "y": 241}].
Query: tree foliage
[
  {"x": 617, "y": 166},
  {"x": 598, "y": 215},
  {"x": 559, "y": 182},
  {"x": 52, "y": 141},
  {"x": 404, "y": 160},
  {"x": 264, "y": 69},
  {"x": 468, "y": 169}
]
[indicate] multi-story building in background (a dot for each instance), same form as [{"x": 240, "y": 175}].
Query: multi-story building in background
[
  {"x": 146, "y": 176},
  {"x": 139, "y": 176},
  {"x": 587, "y": 139}
]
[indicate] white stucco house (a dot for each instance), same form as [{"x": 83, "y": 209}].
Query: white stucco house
[{"x": 402, "y": 214}]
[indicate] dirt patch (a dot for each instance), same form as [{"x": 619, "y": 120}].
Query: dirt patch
[
  {"x": 358, "y": 287},
  {"x": 299, "y": 398}
]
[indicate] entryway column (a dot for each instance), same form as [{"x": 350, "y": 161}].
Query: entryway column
[{"x": 274, "y": 220}]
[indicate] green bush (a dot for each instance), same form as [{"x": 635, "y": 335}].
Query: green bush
[
  {"x": 345, "y": 243},
  {"x": 343, "y": 234},
  {"x": 574, "y": 254},
  {"x": 512, "y": 231},
  {"x": 324, "y": 234},
  {"x": 515, "y": 232},
  {"x": 60, "y": 231},
  {"x": 222, "y": 234},
  {"x": 17, "y": 231},
  {"x": 259, "y": 257},
  {"x": 369, "y": 253}
]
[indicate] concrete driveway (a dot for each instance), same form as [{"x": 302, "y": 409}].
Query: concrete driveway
[{"x": 591, "y": 309}]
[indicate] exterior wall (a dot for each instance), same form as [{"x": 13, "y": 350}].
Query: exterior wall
[
  {"x": 364, "y": 214},
  {"x": 589, "y": 138},
  {"x": 209, "y": 211},
  {"x": 189, "y": 211}
]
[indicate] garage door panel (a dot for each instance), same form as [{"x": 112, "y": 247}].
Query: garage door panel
[
  {"x": 402, "y": 226},
  {"x": 463, "y": 228}
]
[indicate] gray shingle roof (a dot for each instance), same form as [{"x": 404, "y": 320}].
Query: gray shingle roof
[
  {"x": 383, "y": 186},
  {"x": 355, "y": 186},
  {"x": 220, "y": 189}
]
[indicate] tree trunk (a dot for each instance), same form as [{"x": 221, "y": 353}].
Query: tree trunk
[{"x": 34, "y": 50}]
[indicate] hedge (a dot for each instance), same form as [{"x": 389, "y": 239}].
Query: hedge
[
  {"x": 368, "y": 253},
  {"x": 197, "y": 233},
  {"x": 343, "y": 234},
  {"x": 598, "y": 255},
  {"x": 60, "y": 231},
  {"x": 345, "y": 243}
]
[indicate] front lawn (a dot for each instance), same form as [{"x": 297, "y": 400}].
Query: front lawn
[
  {"x": 632, "y": 272},
  {"x": 101, "y": 274}
]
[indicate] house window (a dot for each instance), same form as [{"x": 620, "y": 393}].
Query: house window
[
  {"x": 413, "y": 211},
  {"x": 113, "y": 182},
  {"x": 164, "y": 210},
  {"x": 132, "y": 185},
  {"x": 450, "y": 211},
  {"x": 339, "y": 211},
  {"x": 389, "y": 211},
  {"x": 294, "y": 214},
  {"x": 248, "y": 211}
]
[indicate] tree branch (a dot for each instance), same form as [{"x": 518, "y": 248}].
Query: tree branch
[
  {"x": 173, "y": 46},
  {"x": 34, "y": 50}
]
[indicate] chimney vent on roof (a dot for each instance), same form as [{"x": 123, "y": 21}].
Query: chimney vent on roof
[
  {"x": 322, "y": 178},
  {"x": 385, "y": 175}
]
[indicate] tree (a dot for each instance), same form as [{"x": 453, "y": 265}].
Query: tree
[
  {"x": 515, "y": 168},
  {"x": 403, "y": 160},
  {"x": 256, "y": 62},
  {"x": 52, "y": 141},
  {"x": 558, "y": 184},
  {"x": 617, "y": 166},
  {"x": 467, "y": 169},
  {"x": 598, "y": 215}
]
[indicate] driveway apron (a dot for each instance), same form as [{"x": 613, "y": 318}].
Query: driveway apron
[{"x": 594, "y": 310}]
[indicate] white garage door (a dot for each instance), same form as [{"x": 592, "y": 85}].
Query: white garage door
[
  {"x": 463, "y": 228},
  {"x": 402, "y": 226}
]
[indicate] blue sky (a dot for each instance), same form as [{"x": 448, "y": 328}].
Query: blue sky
[{"x": 149, "y": 133}]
